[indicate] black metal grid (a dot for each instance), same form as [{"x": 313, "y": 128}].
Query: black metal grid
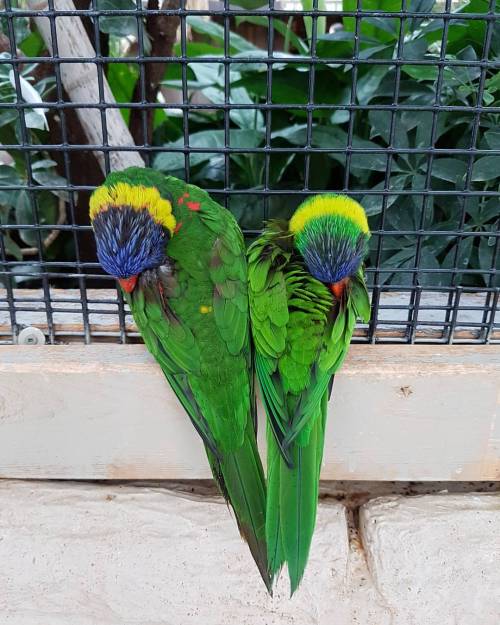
[{"x": 402, "y": 312}]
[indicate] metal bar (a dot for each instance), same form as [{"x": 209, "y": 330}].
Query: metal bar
[
  {"x": 430, "y": 158},
  {"x": 446, "y": 284},
  {"x": 242, "y": 12},
  {"x": 256, "y": 60}
]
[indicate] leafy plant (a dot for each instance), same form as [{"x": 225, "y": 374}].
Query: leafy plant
[
  {"x": 19, "y": 207},
  {"x": 408, "y": 208},
  {"x": 310, "y": 147}
]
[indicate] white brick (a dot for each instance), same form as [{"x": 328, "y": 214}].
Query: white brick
[
  {"x": 436, "y": 558},
  {"x": 109, "y": 555},
  {"x": 84, "y": 554}
]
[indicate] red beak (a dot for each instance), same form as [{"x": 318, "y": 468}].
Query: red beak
[
  {"x": 339, "y": 287},
  {"x": 128, "y": 284}
]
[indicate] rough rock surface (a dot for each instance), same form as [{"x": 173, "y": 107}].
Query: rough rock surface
[
  {"x": 436, "y": 558},
  {"x": 86, "y": 554}
]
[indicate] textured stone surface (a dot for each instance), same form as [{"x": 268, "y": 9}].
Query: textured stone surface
[
  {"x": 435, "y": 559},
  {"x": 85, "y": 554}
]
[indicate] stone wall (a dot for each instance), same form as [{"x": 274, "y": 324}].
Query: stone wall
[{"x": 90, "y": 554}]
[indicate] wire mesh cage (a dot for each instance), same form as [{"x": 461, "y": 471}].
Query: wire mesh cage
[{"x": 396, "y": 103}]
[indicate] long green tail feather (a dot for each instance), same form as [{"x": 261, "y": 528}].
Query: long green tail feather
[
  {"x": 275, "y": 553},
  {"x": 290, "y": 525},
  {"x": 298, "y": 503},
  {"x": 241, "y": 480}
]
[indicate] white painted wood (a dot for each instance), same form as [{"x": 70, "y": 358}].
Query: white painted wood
[
  {"x": 81, "y": 84},
  {"x": 104, "y": 320},
  {"x": 105, "y": 411},
  {"x": 87, "y": 554}
]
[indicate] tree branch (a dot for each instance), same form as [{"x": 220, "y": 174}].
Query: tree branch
[{"x": 162, "y": 30}]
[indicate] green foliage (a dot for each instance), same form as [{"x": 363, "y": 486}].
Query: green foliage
[
  {"x": 375, "y": 129},
  {"x": 122, "y": 26},
  {"x": 20, "y": 207},
  {"x": 326, "y": 129}
]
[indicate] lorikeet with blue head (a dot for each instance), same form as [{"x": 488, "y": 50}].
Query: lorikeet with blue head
[
  {"x": 306, "y": 289},
  {"x": 180, "y": 260}
]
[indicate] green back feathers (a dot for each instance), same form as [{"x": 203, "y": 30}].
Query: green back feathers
[{"x": 302, "y": 330}]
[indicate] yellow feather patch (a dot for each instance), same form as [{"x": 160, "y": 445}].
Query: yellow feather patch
[
  {"x": 322, "y": 205},
  {"x": 137, "y": 197}
]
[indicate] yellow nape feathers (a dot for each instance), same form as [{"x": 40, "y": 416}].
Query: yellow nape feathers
[
  {"x": 323, "y": 205},
  {"x": 137, "y": 197}
]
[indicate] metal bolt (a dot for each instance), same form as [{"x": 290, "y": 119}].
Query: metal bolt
[{"x": 31, "y": 336}]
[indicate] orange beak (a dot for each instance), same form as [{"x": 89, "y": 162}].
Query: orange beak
[
  {"x": 339, "y": 287},
  {"x": 128, "y": 284}
]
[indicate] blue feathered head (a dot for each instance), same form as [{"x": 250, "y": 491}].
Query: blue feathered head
[
  {"x": 132, "y": 225},
  {"x": 331, "y": 232}
]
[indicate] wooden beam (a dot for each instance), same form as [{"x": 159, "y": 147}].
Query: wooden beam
[
  {"x": 104, "y": 323},
  {"x": 105, "y": 412}
]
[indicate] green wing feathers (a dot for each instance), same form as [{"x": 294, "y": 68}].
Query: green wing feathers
[
  {"x": 301, "y": 335},
  {"x": 194, "y": 318},
  {"x": 292, "y": 500},
  {"x": 194, "y": 313}
]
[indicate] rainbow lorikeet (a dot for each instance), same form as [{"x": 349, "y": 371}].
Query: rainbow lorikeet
[
  {"x": 306, "y": 289},
  {"x": 180, "y": 260}
]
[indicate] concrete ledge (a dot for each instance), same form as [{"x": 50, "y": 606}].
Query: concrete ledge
[
  {"x": 398, "y": 412},
  {"x": 85, "y": 554}
]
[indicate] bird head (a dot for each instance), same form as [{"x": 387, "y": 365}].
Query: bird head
[
  {"x": 331, "y": 232},
  {"x": 132, "y": 223}
]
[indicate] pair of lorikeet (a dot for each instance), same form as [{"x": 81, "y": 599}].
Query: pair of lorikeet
[{"x": 211, "y": 314}]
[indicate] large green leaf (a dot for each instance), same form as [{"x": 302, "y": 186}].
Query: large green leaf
[
  {"x": 486, "y": 254},
  {"x": 486, "y": 168},
  {"x": 338, "y": 45},
  {"x": 493, "y": 139},
  {"x": 404, "y": 258},
  {"x": 418, "y": 6},
  {"x": 122, "y": 78},
  {"x": 295, "y": 134},
  {"x": 428, "y": 260},
  {"x": 120, "y": 26},
  {"x": 171, "y": 162},
  {"x": 48, "y": 177},
  {"x": 450, "y": 169},
  {"x": 379, "y": 29},
  {"x": 216, "y": 33},
  {"x": 279, "y": 26},
  {"x": 9, "y": 176},
  {"x": 25, "y": 216},
  {"x": 368, "y": 83},
  {"x": 249, "y": 5},
  {"x": 311, "y": 5},
  {"x": 373, "y": 203},
  {"x": 458, "y": 257},
  {"x": 11, "y": 247},
  {"x": 244, "y": 118},
  {"x": 474, "y": 33}
]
